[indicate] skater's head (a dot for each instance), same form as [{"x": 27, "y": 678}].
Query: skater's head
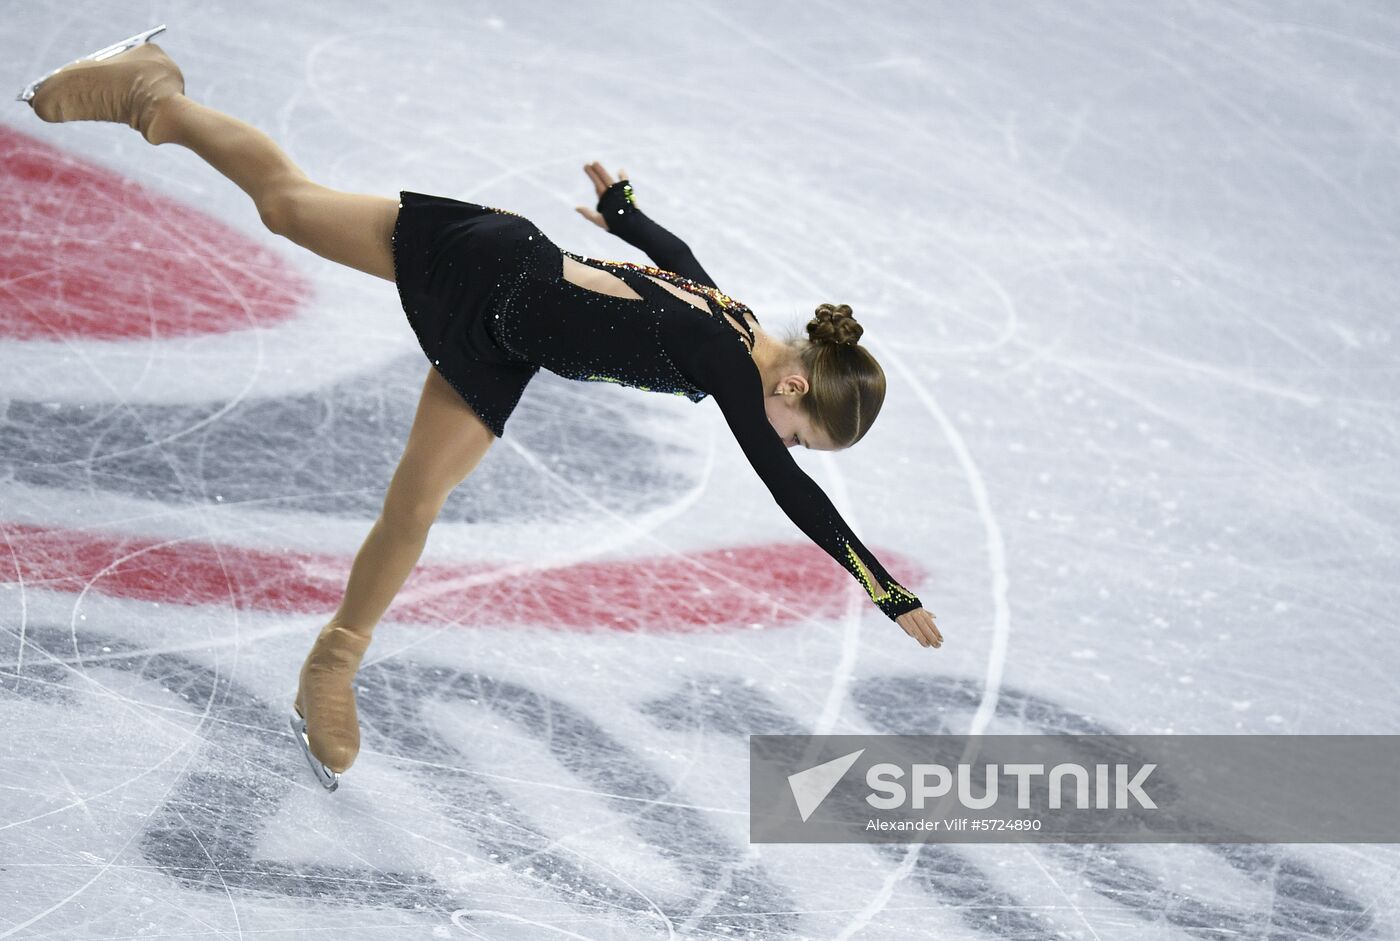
[{"x": 830, "y": 388}]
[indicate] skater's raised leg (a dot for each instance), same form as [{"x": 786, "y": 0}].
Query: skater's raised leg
[
  {"x": 351, "y": 228},
  {"x": 445, "y": 444},
  {"x": 144, "y": 88},
  {"x": 128, "y": 88}
]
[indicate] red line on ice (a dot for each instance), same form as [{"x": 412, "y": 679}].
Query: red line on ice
[
  {"x": 88, "y": 253},
  {"x": 719, "y": 589}
]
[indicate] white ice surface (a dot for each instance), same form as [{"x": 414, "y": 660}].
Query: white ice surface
[{"x": 1131, "y": 270}]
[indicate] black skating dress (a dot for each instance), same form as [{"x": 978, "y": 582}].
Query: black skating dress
[{"x": 484, "y": 291}]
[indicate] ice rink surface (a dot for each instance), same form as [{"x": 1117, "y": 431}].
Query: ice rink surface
[{"x": 1131, "y": 270}]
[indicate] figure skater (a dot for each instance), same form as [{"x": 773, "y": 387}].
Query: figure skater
[{"x": 492, "y": 300}]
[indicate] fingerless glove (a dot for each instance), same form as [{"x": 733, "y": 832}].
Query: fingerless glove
[{"x": 618, "y": 207}]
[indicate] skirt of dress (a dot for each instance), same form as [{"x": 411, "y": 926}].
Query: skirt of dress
[{"x": 452, "y": 261}]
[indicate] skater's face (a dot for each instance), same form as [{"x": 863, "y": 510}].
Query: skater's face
[{"x": 793, "y": 426}]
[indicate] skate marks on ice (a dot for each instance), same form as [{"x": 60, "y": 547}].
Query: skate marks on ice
[
  {"x": 328, "y": 456},
  {"x": 1293, "y": 899},
  {"x": 711, "y": 591},
  {"x": 99, "y": 259},
  {"x": 329, "y": 452},
  {"x": 212, "y": 830},
  {"x": 206, "y": 833},
  {"x": 90, "y": 254}
]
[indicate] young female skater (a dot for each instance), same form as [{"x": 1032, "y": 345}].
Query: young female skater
[{"x": 492, "y": 300}]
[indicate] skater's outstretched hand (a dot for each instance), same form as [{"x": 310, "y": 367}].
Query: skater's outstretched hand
[
  {"x": 919, "y": 625},
  {"x": 601, "y": 181}
]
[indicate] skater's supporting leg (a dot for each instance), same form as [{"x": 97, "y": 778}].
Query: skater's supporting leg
[
  {"x": 142, "y": 87},
  {"x": 445, "y": 444},
  {"x": 353, "y": 229}
]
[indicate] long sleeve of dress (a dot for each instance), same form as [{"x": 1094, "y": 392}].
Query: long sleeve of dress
[
  {"x": 725, "y": 371},
  {"x": 635, "y": 228}
]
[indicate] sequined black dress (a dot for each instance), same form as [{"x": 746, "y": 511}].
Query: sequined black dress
[{"x": 484, "y": 291}]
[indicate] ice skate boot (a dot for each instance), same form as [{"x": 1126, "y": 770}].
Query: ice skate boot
[
  {"x": 125, "y": 83},
  {"x": 324, "y": 717},
  {"x": 104, "y": 53}
]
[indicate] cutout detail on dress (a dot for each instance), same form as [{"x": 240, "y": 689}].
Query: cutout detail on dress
[{"x": 604, "y": 282}]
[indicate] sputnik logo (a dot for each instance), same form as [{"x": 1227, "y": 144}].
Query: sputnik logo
[{"x": 810, "y": 787}]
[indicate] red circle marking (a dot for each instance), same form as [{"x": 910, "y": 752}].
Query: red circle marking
[{"x": 87, "y": 253}]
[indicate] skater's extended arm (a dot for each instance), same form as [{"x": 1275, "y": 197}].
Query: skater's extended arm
[
  {"x": 618, "y": 213},
  {"x": 726, "y": 372}
]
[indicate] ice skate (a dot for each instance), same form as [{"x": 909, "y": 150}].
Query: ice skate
[
  {"x": 124, "y": 82},
  {"x": 324, "y": 716},
  {"x": 329, "y": 779},
  {"x": 104, "y": 53}
]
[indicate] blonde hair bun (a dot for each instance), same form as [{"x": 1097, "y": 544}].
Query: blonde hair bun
[{"x": 834, "y": 324}]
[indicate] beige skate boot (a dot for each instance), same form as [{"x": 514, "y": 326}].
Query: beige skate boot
[
  {"x": 125, "y": 82},
  {"x": 324, "y": 717}
]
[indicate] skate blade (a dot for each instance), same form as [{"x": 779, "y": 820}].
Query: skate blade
[
  {"x": 106, "y": 52},
  {"x": 330, "y": 780}
]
